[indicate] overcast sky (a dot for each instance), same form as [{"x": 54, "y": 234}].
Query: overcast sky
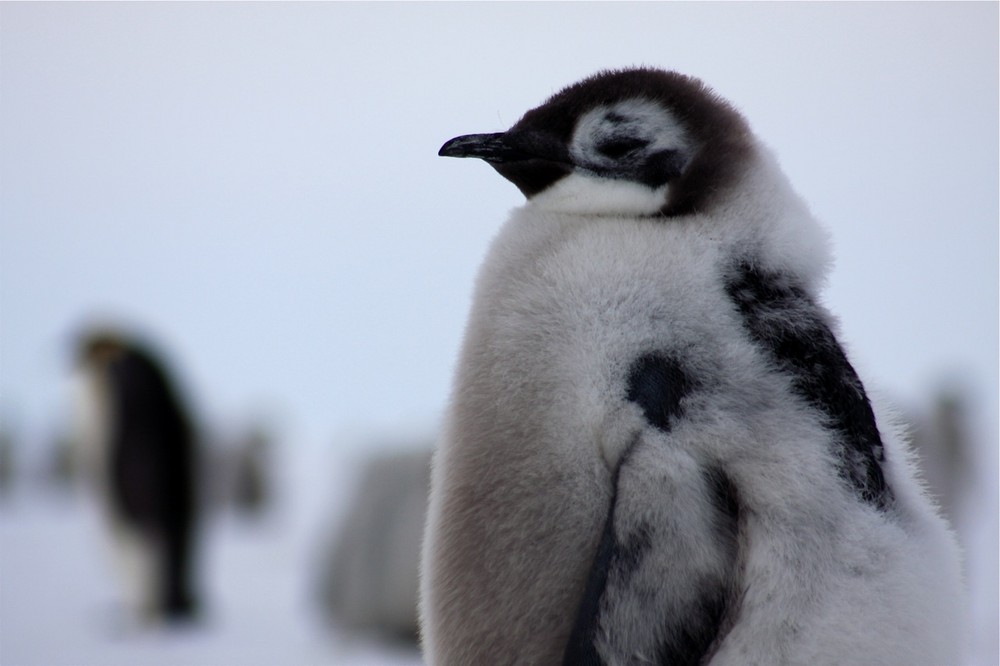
[{"x": 257, "y": 186}]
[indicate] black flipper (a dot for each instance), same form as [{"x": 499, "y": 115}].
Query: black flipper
[{"x": 782, "y": 318}]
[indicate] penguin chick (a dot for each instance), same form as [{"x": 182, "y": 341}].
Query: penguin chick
[{"x": 657, "y": 451}]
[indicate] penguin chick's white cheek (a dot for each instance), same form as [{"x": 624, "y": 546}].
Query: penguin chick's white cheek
[
  {"x": 584, "y": 194},
  {"x": 626, "y": 131}
]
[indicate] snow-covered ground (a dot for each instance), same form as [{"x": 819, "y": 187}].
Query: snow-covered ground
[{"x": 58, "y": 594}]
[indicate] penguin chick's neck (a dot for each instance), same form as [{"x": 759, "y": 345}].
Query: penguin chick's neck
[{"x": 584, "y": 194}]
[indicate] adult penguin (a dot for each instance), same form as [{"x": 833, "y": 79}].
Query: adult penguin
[
  {"x": 657, "y": 451},
  {"x": 140, "y": 446}
]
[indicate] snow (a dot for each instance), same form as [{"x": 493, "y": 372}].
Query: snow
[
  {"x": 58, "y": 593},
  {"x": 58, "y": 604}
]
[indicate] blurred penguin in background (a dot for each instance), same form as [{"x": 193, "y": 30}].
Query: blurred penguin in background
[
  {"x": 138, "y": 448},
  {"x": 369, "y": 581}
]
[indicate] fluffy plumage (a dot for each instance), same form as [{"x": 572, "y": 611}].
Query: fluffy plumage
[{"x": 656, "y": 450}]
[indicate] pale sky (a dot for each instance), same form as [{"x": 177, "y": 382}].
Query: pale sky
[{"x": 257, "y": 185}]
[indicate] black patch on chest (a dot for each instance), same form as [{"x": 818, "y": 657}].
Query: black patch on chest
[
  {"x": 657, "y": 383},
  {"x": 782, "y": 318}
]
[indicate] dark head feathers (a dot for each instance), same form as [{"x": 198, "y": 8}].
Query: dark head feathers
[
  {"x": 532, "y": 153},
  {"x": 701, "y": 110}
]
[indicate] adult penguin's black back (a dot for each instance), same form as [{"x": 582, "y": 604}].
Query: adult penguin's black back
[{"x": 657, "y": 450}]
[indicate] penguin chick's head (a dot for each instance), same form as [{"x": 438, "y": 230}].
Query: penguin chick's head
[{"x": 636, "y": 141}]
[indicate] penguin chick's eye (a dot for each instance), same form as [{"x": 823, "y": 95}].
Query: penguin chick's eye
[{"x": 619, "y": 147}]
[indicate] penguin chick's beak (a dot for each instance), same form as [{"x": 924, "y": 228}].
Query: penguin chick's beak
[
  {"x": 530, "y": 160},
  {"x": 490, "y": 147}
]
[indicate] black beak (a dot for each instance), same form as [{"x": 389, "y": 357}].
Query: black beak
[
  {"x": 530, "y": 160},
  {"x": 512, "y": 146},
  {"x": 490, "y": 147}
]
